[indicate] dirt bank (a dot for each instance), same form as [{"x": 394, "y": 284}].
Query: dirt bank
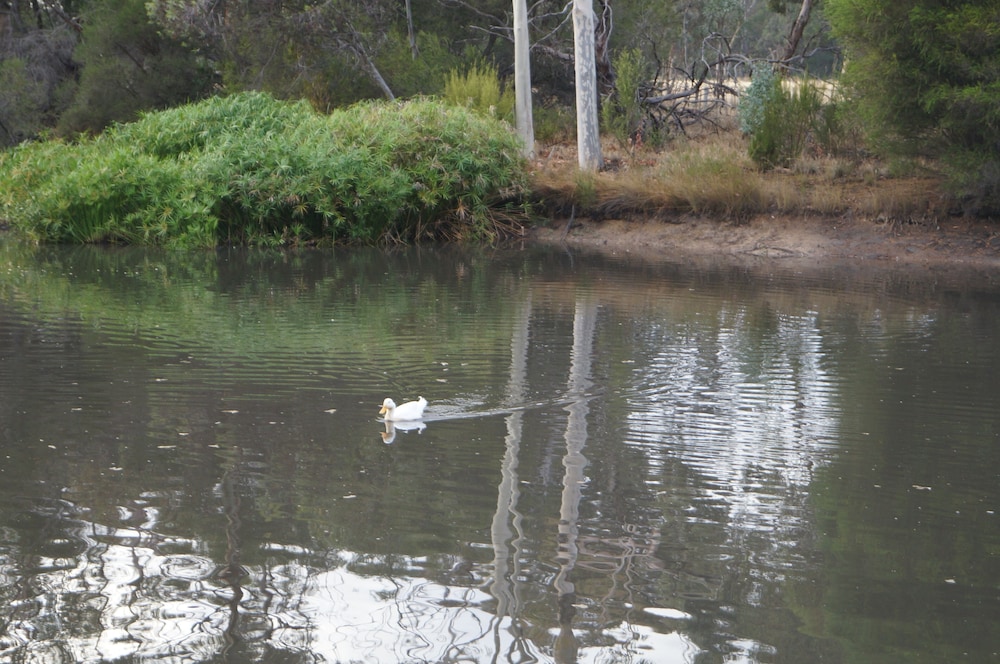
[{"x": 810, "y": 240}]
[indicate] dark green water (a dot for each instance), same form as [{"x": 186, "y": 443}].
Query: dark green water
[{"x": 621, "y": 462}]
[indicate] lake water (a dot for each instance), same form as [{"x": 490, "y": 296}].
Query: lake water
[{"x": 622, "y": 460}]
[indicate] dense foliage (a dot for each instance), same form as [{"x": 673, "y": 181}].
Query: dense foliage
[
  {"x": 778, "y": 116},
  {"x": 128, "y": 66},
  {"x": 924, "y": 73},
  {"x": 82, "y": 64},
  {"x": 250, "y": 169},
  {"x": 927, "y": 76}
]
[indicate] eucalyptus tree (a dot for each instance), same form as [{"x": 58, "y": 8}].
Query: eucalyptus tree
[
  {"x": 552, "y": 44},
  {"x": 523, "y": 117},
  {"x": 127, "y": 66},
  {"x": 295, "y": 44},
  {"x": 797, "y": 30},
  {"x": 36, "y": 66},
  {"x": 588, "y": 136},
  {"x": 588, "y": 49}
]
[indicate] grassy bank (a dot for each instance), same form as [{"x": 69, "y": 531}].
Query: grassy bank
[
  {"x": 713, "y": 176},
  {"x": 248, "y": 169}
]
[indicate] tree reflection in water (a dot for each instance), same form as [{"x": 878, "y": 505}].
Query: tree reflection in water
[{"x": 759, "y": 464}]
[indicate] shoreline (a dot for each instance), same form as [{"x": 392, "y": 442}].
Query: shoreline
[{"x": 957, "y": 244}]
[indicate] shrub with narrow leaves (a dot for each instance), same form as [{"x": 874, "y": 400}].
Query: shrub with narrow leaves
[{"x": 248, "y": 169}]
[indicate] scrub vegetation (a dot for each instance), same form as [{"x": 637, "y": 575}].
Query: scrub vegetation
[
  {"x": 729, "y": 108},
  {"x": 249, "y": 169}
]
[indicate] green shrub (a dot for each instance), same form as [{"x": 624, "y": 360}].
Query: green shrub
[
  {"x": 622, "y": 114},
  {"x": 479, "y": 90},
  {"x": 779, "y": 117},
  {"x": 250, "y": 169},
  {"x": 753, "y": 102},
  {"x": 925, "y": 78},
  {"x": 423, "y": 75},
  {"x": 974, "y": 179},
  {"x": 554, "y": 123},
  {"x": 23, "y": 102}
]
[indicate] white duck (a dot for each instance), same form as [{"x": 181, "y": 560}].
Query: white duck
[{"x": 411, "y": 410}]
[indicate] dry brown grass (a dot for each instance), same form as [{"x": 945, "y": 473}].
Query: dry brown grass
[{"x": 712, "y": 175}]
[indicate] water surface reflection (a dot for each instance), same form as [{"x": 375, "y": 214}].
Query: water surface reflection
[{"x": 622, "y": 461}]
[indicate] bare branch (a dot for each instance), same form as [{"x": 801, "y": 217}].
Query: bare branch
[
  {"x": 57, "y": 9},
  {"x": 472, "y": 8},
  {"x": 553, "y": 53}
]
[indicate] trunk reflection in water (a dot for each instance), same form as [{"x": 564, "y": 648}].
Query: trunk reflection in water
[{"x": 621, "y": 461}]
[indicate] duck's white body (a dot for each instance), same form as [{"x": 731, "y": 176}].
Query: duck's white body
[{"x": 411, "y": 410}]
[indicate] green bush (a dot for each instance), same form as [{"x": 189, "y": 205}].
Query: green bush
[
  {"x": 756, "y": 98},
  {"x": 925, "y": 77},
  {"x": 622, "y": 114},
  {"x": 423, "y": 75},
  {"x": 779, "y": 117},
  {"x": 554, "y": 123},
  {"x": 479, "y": 90},
  {"x": 250, "y": 169}
]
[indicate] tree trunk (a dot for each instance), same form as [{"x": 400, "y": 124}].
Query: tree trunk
[
  {"x": 368, "y": 64},
  {"x": 588, "y": 135},
  {"x": 798, "y": 27},
  {"x": 376, "y": 76},
  {"x": 522, "y": 79},
  {"x": 411, "y": 33},
  {"x": 574, "y": 462}
]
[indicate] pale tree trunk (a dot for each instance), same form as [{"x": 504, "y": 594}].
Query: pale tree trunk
[
  {"x": 522, "y": 79},
  {"x": 369, "y": 65},
  {"x": 410, "y": 31},
  {"x": 376, "y": 76},
  {"x": 506, "y": 530},
  {"x": 798, "y": 27},
  {"x": 574, "y": 462},
  {"x": 588, "y": 134}
]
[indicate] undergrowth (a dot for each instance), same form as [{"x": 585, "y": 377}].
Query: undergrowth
[
  {"x": 248, "y": 169},
  {"x": 714, "y": 176}
]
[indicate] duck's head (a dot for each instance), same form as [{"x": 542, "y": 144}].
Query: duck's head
[{"x": 387, "y": 407}]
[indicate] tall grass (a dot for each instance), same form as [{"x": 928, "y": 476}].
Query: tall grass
[
  {"x": 250, "y": 169},
  {"x": 479, "y": 89},
  {"x": 712, "y": 177}
]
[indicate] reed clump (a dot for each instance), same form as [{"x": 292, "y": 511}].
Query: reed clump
[{"x": 249, "y": 169}]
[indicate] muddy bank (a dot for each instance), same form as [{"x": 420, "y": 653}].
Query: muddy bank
[{"x": 957, "y": 245}]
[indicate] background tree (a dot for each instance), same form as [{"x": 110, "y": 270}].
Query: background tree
[
  {"x": 588, "y": 137},
  {"x": 335, "y": 52},
  {"x": 128, "y": 66},
  {"x": 36, "y": 67},
  {"x": 699, "y": 52},
  {"x": 797, "y": 30},
  {"x": 926, "y": 75},
  {"x": 36, "y": 76},
  {"x": 292, "y": 49},
  {"x": 522, "y": 78}
]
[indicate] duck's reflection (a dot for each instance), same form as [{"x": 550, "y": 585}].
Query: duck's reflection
[{"x": 389, "y": 435}]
